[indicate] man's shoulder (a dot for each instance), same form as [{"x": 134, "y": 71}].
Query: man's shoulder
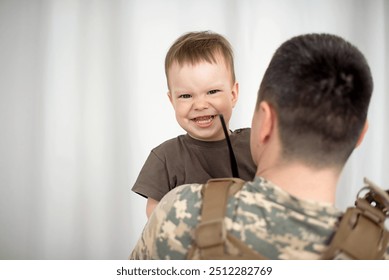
[
  {"x": 186, "y": 192},
  {"x": 177, "y": 215}
]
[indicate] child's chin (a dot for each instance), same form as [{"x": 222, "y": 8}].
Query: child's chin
[{"x": 206, "y": 138}]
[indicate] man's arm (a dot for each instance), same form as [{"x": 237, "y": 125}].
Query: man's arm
[{"x": 145, "y": 249}]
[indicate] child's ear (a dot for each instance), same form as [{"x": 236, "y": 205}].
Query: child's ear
[
  {"x": 170, "y": 97},
  {"x": 235, "y": 94}
]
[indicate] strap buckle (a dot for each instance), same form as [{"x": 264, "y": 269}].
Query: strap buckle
[{"x": 375, "y": 196}]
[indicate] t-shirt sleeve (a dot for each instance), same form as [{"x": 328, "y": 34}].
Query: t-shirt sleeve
[{"x": 153, "y": 179}]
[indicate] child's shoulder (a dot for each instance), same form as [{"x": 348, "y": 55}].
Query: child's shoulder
[
  {"x": 241, "y": 137},
  {"x": 171, "y": 144},
  {"x": 241, "y": 131}
]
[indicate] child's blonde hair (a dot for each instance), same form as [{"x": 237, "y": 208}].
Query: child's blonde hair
[{"x": 194, "y": 47}]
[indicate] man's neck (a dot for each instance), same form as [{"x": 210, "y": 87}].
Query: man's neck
[{"x": 303, "y": 182}]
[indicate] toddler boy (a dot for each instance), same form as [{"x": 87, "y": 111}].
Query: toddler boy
[{"x": 200, "y": 75}]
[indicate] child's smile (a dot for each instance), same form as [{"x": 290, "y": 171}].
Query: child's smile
[{"x": 204, "y": 121}]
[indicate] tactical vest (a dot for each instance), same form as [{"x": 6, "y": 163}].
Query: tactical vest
[{"x": 361, "y": 233}]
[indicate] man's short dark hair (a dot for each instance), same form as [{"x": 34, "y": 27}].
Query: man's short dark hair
[{"x": 320, "y": 87}]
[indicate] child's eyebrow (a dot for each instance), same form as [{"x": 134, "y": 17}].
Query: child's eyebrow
[
  {"x": 211, "y": 86},
  {"x": 180, "y": 90},
  {"x": 215, "y": 86}
]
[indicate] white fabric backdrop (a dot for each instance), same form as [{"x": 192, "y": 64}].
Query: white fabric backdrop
[{"x": 83, "y": 101}]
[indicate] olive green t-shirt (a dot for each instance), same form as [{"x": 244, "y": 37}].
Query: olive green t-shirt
[{"x": 184, "y": 160}]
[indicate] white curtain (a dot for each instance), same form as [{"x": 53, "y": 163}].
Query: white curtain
[{"x": 83, "y": 101}]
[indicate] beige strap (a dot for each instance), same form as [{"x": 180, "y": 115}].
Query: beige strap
[
  {"x": 361, "y": 233},
  {"x": 210, "y": 234}
]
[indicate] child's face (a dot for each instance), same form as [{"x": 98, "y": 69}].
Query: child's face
[{"x": 198, "y": 94}]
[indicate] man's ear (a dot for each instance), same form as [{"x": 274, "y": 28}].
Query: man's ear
[
  {"x": 362, "y": 135},
  {"x": 267, "y": 121}
]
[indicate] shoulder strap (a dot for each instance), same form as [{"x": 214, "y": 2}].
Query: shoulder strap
[
  {"x": 211, "y": 235},
  {"x": 361, "y": 233}
]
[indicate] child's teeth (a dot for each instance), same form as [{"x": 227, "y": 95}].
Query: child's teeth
[{"x": 204, "y": 119}]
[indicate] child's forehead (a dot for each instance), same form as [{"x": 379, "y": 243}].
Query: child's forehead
[{"x": 216, "y": 59}]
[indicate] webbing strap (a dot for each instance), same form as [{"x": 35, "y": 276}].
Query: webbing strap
[
  {"x": 358, "y": 237},
  {"x": 361, "y": 233},
  {"x": 210, "y": 233}
]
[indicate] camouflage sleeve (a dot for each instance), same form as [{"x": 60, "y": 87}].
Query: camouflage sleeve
[{"x": 145, "y": 248}]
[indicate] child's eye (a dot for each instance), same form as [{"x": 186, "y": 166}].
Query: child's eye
[
  {"x": 184, "y": 96},
  {"x": 213, "y": 91}
]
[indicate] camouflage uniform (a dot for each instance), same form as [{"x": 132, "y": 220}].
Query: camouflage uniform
[{"x": 265, "y": 217}]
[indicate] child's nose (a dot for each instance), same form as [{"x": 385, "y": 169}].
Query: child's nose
[{"x": 200, "y": 103}]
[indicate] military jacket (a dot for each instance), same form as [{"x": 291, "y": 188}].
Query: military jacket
[{"x": 265, "y": 217}]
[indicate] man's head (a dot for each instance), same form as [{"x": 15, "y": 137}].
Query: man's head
[
  {"x": 317, "y": 89},
  {"x": 201, "y": 80}
]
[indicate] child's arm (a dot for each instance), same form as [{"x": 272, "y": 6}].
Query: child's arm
[
  {"x": 153, "y": 181},
  {"x": 151, "y": 204}
]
